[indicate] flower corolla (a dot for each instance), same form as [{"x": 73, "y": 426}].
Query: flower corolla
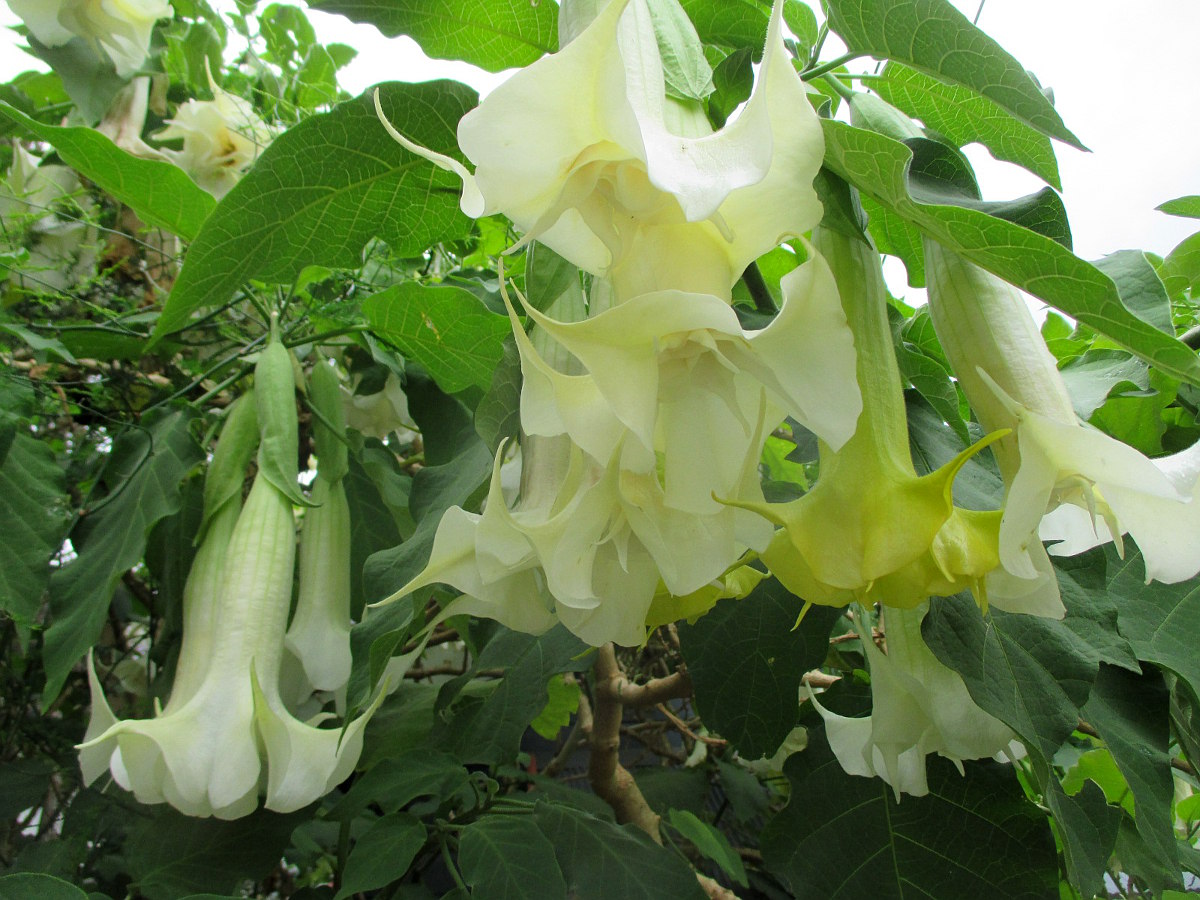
[
  {"x": 871, "y": 529},
  {"x": 1067, "y": 482},
  {"x": 120, "y": 29},
  {"x": 221, "y": 139},
  {"x": 584, "y": 152},
  {"x": 918, "y": 707}
]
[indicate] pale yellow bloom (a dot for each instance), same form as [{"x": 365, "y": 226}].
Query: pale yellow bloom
[{"x": 120, "y": 29}]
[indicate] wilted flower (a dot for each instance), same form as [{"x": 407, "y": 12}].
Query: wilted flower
[
  {"x": 221, "y": 138},
  {"x": 871, "y": 529},
  {"x": 918, "y": 707},
  {"x": 119, "y": 29},
  {"x": 1094, "y": 487},
  {"x": 584, "y": 151}
]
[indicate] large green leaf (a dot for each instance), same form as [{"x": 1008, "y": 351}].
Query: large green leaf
[
  {"x": 734, "y": 24},
  {"x": 395, "y": 782},
  {"x": 1029, "y": 672},
  {"x": 35, "y": 886},
  {"x": 489, "y": 729},
  {"x": 746, "y": 661},
  {"x": 509, "y": 858},
  {"x": 1161, "y": 621},
  {"x": 159, "y": 192},
  {"x": 171, "y": 855},
  {"x": 143, "y": 475},
  {"x": 322, "y": 190},
  {"x": 35, "y": 505},
  {"x": 446, "y": 329},
  {"x": 1089, "y": 832},
  {"x": 879, "y": 167},
  {"x": 845, "y": 837},
  {"x": 964, "y": 116},
  {"x": 492, "y": 34},
  {"x": 1130, "y": 712},
  {"x": 601, "y": 861},
  {"x": 382, "y": 853},
  {"x": 934, "y": 37}
]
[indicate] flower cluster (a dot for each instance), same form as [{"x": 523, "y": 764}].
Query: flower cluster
[
  {"x": 229, "y": 731},
  {"x": 643, "y": 407}
]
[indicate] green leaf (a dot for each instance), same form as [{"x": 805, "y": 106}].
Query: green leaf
[
  {"x": 488, "y": 730},
  {"x": 492, "y": 34},
  {"x": 1089, "y": 831},
  {"x": 1129, "y": 711},
  {"x": 879, "y": 167},
  {"x": 509, "y": 858},
  {"x": 1030, "y": 672},
  {"x": 159, "y": 192},
  {"x": 171, "y": 855},
  {"x": 382, "y": 853},
  {"x": 562, "y": 703},
  {"x": 963, "y": 116},
  {"x": 446, "y": 329},
  {"x": 1160, "y": 620},
  {"x": 498, "y": 415},
  {"x": 36, "y": 507},
  {"x": 710, "y": 842},
  {"x": 934, "y": 443},
  {"x": 600, "y": 860},
  {"x": 746, "y": 662},
  {"x": 1181, "y": 269},
  {"x": 1090, "y": 378},
  {"x": 845, "y": 836},
  {"x": 1141, "y": 290},
  {"x": 35, "y": 886},
  {"x": 143, "y": 475},
  {"x": 397, "y": 781},
  {"x": 933, "y": 37},
  {"x": 322, "y": 190},
  {"x": 23, "y": 784},
  {"x": 687, "y": 73},
  {"x": 87, "y": 74},
  {"x": 547, "y": 276},
  {"x": 1188, "y": 207},
  {"x": 733, "y": 24},
  {"x": 801, "y": 22},
  {"x": 372, "y": 523}
]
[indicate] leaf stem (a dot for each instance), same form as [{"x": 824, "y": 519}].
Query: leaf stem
[{"x": 818, "y": 71}]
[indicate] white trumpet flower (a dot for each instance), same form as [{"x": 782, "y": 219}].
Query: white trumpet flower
[{"x": 120, "y": 29}]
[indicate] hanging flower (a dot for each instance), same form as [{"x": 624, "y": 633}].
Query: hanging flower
[
  {"x": 226, "y": 733},
  {"x": 1094, "y": 487},
  {"x": 675, "y": 380},
  {"x": 119, "y": 29},
  {"x": 44, "y": 210},
  {"x": 918, "y": 707},
  {"x": 584, "y": 151},
  {"x": 221, "y": 139},
  {"x": 871, "y": 529}
]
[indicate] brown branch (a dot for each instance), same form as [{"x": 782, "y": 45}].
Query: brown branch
[
  {"x": 611, "y": 781},
  {"x": 713, "y": 890},
  {"x": 682, "y": 726},
  {"x": 676, "y": 686}
]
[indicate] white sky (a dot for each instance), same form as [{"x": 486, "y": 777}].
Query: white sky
[{"x": 1125, "y": 75}]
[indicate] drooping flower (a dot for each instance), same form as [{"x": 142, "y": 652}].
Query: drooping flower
[
  {"x": 584, "y": 151},
  {"x": 871, "y": 529},
  {"x": 44, "y": 210},
  {"x": 119, "y": 29},
  {"x": 1093, "y": 487},
  {"x": 674, "y": 380},
  {"x": 226, "y": 734},
  {"x": 221, "y": 139},
  {"x": 918, "y": 707}
]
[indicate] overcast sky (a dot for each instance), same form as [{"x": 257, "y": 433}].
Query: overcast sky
[{"x": 1126, "y": 78}]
